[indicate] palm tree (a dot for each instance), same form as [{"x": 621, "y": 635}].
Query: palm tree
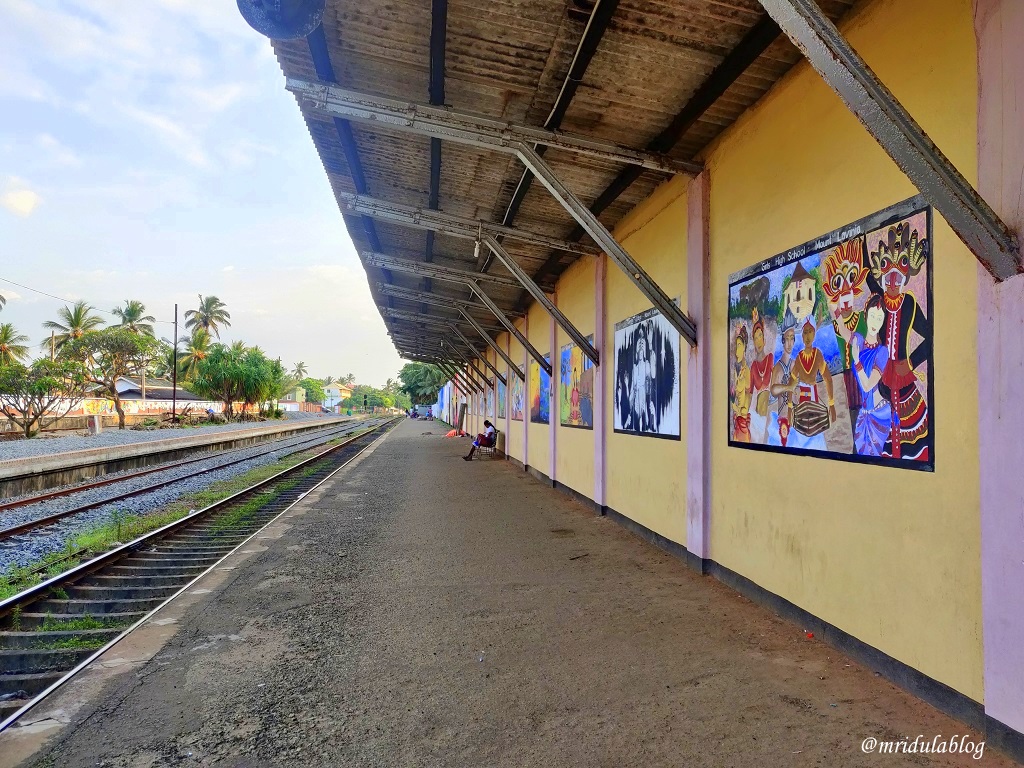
[
  {"x": 12, "y": 346},
  {"x": 134, "y": 318},
  {"x": 328, "y": 380},
  {"x": 210, "y": 316},
  {"x": 74, "y": 323},
  {"x": 348, "y": 379},
  {"x": 197, "y": 347},
  {"x": 3, "y": 302},
  {"x": 299, "y": 371}
]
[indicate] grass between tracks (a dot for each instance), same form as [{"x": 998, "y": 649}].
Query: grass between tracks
[{"x": 121, "y": 528}]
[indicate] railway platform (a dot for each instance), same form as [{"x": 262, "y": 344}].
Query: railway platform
[
  {"x": 58, "y": 467},
  {"x": 420, "y": 610}
]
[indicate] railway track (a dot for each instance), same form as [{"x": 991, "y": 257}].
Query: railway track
[
  {"x": 53, "y": 630},
  {"x": 47, "y": 520}
]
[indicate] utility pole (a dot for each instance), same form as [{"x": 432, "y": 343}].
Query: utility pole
[
  {"x": 52, "y": 345},
  {"x": 174, "y": 371}
]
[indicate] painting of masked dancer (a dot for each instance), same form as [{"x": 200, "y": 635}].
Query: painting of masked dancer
[
  {"x": 647, "y": 376},
  {"x": 830, "y": 345},
  {"x": 500, "y": 414}
]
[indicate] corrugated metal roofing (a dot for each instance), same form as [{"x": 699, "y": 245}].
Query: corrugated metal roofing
[{"x": 509, "y": 59}]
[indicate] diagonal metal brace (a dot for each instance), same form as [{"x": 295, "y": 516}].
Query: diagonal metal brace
[
  {"x": 510, "y": 264},
  {"x": 496, "y": 347},
  {"x": 487, "y": 362},
  {"x": 892, "y": 126}
]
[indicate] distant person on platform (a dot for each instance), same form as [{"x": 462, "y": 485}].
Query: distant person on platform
[{"x": 484, "y": 440}]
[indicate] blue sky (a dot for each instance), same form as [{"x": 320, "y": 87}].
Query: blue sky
[{"x": 148, "y": 150}]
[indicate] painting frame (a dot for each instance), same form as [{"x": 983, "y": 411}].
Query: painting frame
[
  {"x": 582, "y": 388},
  {"x": 667, "y": 361},
  {"x": 863, "y": 228}
]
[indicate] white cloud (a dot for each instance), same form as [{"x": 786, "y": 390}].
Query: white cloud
[
  {"x": 10, "y": 295},
  {"x": 228, "y": 268},
  {"x": 174, "y": 136},
  {"x": 57, "y": 153},
  {"x": 19, "y": 199}
]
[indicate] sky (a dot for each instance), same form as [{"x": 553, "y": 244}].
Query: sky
[{"x": 149, "y": 150}]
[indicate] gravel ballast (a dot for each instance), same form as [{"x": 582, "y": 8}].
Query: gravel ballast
[{"x": 22, "y": 550}]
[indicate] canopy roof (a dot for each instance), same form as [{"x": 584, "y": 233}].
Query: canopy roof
[{"x": 667, "y": 76}]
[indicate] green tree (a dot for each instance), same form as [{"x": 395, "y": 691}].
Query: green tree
[
  {"x": 197, "y": 347},
  {"x": 3, "y": 301},
  {"x": 300, "y": 371},
  {"x": 112, "y": 354},
  {"x": 211, "y": 315},
  {"x": 328, "y": 380},
  {"x": 12, "y": 345},
  {"x": 33, "y": 396},
  {"x": 314, "y": 390},
  {"x": 72, "y": 323},
  {"x": 349, "y": 379},
  {"x": 134, "y": 318},
  {"x": 421, "y": 381},
  {"x": 238, "y": 375}
]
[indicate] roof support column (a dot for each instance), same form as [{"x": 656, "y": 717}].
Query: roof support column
[
  {"x": 527, "y": 282},
  {"x": 999, "y": 25},
  {"x": 554, "y": 404},
  {"x": 898, "y": 133},
  {"x": 600, "y": 382},
  {"x": 698, "y": 372},
  {"x": 593, "y": 227}
]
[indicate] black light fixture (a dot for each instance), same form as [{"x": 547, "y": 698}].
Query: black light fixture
[{"x": 282, "y": 19}]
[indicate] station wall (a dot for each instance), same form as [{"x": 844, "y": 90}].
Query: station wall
[{"x": 887, "y": 555}]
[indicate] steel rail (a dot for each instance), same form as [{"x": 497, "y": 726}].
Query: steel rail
[
  {"x": 42, "y": 522},
  {"x": 108, "y": 558}
]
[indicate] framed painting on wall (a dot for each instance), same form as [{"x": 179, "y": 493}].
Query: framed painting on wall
[
  {"x": 540, "y": 393},
  {"x": 830, "y": 345},
  {"x": 500, "y": 414},
  {"x": 576, "y": 388},
  {"x": 646, "y": 394},
  {"x": 517, "y": 401}
]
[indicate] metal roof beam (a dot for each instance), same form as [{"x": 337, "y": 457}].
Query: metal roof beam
[
  {"x": 446, "y": 223},
  {"x": 511, "y": 328},
  {"x": 469, "y": 128},
  {"x": 412, "y": 317},
  {"x": 447, "y": 274},
  {"x": 842, "y": 68},
  {"x": 496, "y": 347},
  {"x": 408, "y": 294}
]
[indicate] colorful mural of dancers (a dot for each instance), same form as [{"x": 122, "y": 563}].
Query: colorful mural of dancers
[{"x": 830, "y": 344}]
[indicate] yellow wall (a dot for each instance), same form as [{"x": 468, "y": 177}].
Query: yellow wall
[
  {"x": 646, "y": 476},
  {"x": 575, "y": 447},
  {"x": 514, "y": 438},
  {"x": 891, "y": 556},
  {"x": 538, "y": 445}
]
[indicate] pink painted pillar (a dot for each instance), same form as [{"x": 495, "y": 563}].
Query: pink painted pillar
[
  {"x": 600, "y": 385},
  {"x": 999, "y": 25},
  {"x": 698, "y": 372},
  {"x": 509, "y": 375},
  {"x": 526, "y": 396},
  {"x": 553, "y": 405}
]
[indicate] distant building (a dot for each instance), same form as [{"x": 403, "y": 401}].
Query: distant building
[
  {"x": 335, "y": 394},
  {"x": 156, "y": 389}
]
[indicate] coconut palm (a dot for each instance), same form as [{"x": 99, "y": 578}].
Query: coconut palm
[
  {"x": 134, "y": 318},
  {"x": 12, "y": 345},
  {"x": 300, "y": 370},
  {"x": 197, "y": 347},
  {"x": 328, "y": 380},
  {"x": 348, "y": 379},
  {"x": 3, "y": 302},
  {"x": 75, "y": 322},
  {"x": 210, "y": 316}
]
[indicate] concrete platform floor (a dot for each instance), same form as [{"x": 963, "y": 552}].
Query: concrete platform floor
[{"x": 423, "y": 611}]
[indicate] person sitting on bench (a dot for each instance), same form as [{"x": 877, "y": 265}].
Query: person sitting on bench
[{"x": 485, "y": 440}]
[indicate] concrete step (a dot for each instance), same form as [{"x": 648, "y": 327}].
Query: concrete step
[
  {"x": 27, "y": 661},
  {"x": 173, "y": 579},
  {"x": 31, "y": 684},
  {"x": 132, "y": 592},
  {"x": 76, "y": 607},
  {"x": 145, "y": 571},
  {"x": 11, "y": 640},
  {"x": 31, "y": 621}
]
